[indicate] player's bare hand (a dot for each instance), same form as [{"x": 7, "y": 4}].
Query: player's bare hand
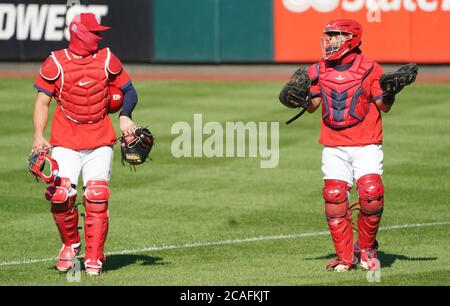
[
  {"x": 127, "y": 125},
  {"x": 40, "y": 143}
]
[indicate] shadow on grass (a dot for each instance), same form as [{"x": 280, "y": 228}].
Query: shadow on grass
[
  {"x": 115, "y": 262},
  {"x": 386, "y": 259}
]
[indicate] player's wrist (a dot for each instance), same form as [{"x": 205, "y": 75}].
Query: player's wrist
[
  {"x": 38, "y": 135},
  {"x": 125, "y": 115}
]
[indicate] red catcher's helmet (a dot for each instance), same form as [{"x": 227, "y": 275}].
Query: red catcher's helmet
[
  {"x": 351, "y": 31},
  {"x": 115, "y": 99}
]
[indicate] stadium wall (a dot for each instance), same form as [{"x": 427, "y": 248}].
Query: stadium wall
[
  {"x": 213, "y": 30},
  {"x": 224, "y": 31},
  {"x": 394, "y": 30},
  {"x": 31, "y": 29}
]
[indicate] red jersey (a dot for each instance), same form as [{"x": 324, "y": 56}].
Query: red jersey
[
  {"x": 53, "y": 79},
  {"x": 366, "y": 132}
]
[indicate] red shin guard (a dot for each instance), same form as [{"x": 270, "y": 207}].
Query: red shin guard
[
  {"x": 371, "y": 200},
  {"x": 367, "y": 230},
  {"x": 64, "y": 210},
  {"x": 67, "y": 221},
  {"x": 96, "y": 220},
  {"x": 339, "y": 218}
]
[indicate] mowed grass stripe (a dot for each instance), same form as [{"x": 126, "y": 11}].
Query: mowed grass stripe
[{"x": 225, "y": 242}]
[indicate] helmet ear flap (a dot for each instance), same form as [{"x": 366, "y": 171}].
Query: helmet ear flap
[{"x": 351, "y": 47}]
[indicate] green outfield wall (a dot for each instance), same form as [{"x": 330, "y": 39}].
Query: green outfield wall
[{"x": 213, "y": 30}]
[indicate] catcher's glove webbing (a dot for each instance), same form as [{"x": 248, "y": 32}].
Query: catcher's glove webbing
[
  {"x": 392, "y": 83},
  {"x": 295, "y": 93},
  {"x": 36, "y": 165},
  {"x": 135, "y": 147}
]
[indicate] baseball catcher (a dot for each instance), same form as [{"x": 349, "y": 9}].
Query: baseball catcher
[
  {"x": 353, "y": 92},
  {"x": 80, "y": 78}
]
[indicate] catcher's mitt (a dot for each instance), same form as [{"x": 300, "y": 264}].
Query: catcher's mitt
[
  {"x": 135, "y": 147},
  {"x": 36, "y": 165},
  {"x": 295, "y": 93},
  {"x": 392, "y": 83}
]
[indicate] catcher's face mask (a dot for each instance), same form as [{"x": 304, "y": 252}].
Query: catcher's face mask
[
  {"x": 334, "y": 43},
  {"x": 37, "y": 165}
]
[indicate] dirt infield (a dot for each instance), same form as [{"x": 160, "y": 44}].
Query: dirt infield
[{"x": 427, "y": 73}]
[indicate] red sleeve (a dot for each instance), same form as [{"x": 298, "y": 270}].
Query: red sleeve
[
  {"x": 48, "y": 74},
  {"x": 314, "y": 90},
  {"x": 119, "y": 80},
  {"x": 45, "y": 86},
  {"x": 313, "y": 73},
  {"x": 375, "y": 89},
  {"x": 118, "y": 77}
]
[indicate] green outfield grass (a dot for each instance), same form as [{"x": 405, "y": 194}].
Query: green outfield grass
[{"x": 173, "y": 201}]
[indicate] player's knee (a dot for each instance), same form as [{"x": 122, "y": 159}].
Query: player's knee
[
  {"x": 335, "y": 194},
  {"x": 61, "y": 194},
  {"x": 58, "y": 191},
  {"x": 96, "y": 196},
  {"x": 335, "y": 191},
  {"x": 371, "y": 194}
]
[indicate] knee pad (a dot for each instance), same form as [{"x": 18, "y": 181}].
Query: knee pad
[
  {"x": 61, "y": 194},
  {"x": 60, "y": 190},
  {"x": 96, "y": 196},
  {"x": 371, "y": 194},
  {"x": 335, "y": 194}
]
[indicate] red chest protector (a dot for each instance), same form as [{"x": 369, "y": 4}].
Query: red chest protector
[
  {"x": 83, "y": 94},
  {"x": 345, "y": 100}
]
